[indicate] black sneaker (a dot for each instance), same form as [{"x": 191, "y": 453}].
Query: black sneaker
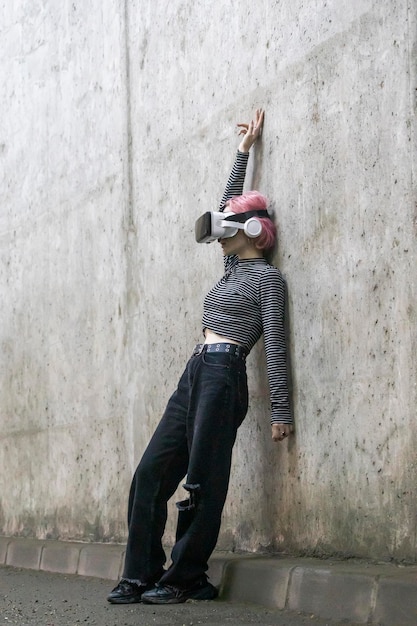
[
  {"x": 167, "y": 594},
  {"x": 127, "y": 593}
]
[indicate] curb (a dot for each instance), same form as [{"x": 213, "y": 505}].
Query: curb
[{"x": 364, "y": 593}]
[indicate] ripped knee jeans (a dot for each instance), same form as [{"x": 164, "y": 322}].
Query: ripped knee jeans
[{"x": 194, "y": 438}]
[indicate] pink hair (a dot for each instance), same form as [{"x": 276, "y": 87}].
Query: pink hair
[{"x": 250, "y": 201}]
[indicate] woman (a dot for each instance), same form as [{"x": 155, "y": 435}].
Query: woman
[{"x": 198, "y": 429}]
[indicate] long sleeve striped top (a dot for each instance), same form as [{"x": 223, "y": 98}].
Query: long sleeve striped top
[{"x": 248, "y": 301}]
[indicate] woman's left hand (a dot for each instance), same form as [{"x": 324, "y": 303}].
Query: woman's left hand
[
  {"x": 281, "y": 431},
  {"x": 251, "y": 131}
]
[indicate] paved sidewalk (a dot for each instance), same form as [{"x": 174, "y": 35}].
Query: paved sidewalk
[
  {"x": 33, "y": 598},
  {"x": 355, "y": 591}
]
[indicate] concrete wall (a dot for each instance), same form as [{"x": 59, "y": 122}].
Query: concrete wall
[{"x": 117, "y": 132}]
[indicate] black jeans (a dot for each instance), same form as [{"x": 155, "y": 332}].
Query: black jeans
[{"x": 195, "y": 437}]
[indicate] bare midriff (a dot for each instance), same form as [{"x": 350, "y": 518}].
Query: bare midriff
[{"x": 211, "y": 337}]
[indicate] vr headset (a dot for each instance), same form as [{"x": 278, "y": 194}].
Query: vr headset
[{"x": 214, "y": 225}]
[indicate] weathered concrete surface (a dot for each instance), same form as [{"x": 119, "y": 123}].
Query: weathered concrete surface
[
  {"x": 117, "y": 133},
  {"x": 65, "y": 427}
]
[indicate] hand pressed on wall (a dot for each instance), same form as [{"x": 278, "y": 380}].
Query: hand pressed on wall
[
  {"x": 281, "y": 431},
  {"x": 251, "y": 131}
]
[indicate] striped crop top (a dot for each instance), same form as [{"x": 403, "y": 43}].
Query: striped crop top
[{"x": 249, "y": 300}]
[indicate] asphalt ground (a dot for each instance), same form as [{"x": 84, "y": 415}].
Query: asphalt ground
[{"x": 37, "y": 598}]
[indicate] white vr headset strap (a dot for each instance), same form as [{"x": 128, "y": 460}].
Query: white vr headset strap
[{"x": 252, "y": 227}]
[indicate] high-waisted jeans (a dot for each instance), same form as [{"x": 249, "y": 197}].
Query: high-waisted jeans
[{"x": 195, "y": 437}]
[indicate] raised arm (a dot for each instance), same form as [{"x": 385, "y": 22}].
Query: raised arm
[{"x": 250, "y": 132}]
